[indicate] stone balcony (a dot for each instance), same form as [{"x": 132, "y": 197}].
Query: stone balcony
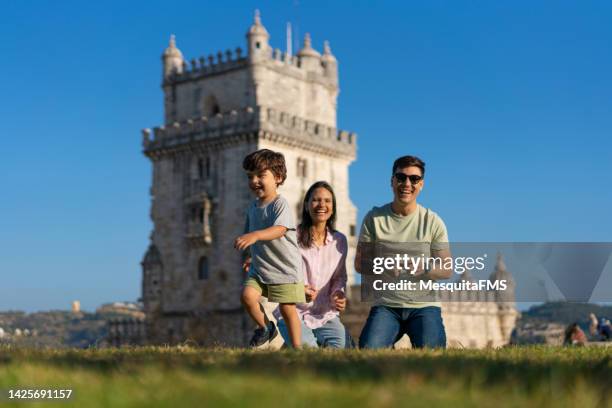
[{"x": 198, "y": 234}]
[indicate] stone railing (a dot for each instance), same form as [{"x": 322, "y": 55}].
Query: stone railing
[
  {"x": 248, "y": 120},
  {"x": 272, "y": 119},
  {"x": 126, "y": 331}
]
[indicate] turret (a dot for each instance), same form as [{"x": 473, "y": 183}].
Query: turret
[
  {"x": 310, "y": 59},
  {"x": 172, "y": 59},
  {"x": 505, "y": 297},
  {"x": 329, "y": 62},
  {"x": 257, "y": 40},
  {"x": 152, "y": 275}
]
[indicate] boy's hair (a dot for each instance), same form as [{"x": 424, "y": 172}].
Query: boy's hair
[
  {"x": 266, "y": 159},
  {"x": 408, "y": 161}
]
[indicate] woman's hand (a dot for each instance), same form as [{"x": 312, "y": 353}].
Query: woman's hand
[
  {"x": 246, "y": 265},
  {"x": 339, "y": 300},
  {"x": 311, "y": 293}
]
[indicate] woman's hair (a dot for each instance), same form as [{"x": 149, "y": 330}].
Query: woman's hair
[{"x": 304, "y": 232}]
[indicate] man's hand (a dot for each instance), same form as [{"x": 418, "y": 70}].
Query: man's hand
[
  {"x": 339, "y": 300},
  {"x": 311, "y": 293},
  {"x": 244, "y": 241},
  {"x": 246, "y": 265},
  {"x": 415, "y": 271}
]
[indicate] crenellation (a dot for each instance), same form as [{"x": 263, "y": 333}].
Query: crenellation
[
  {"x": 245, "y": 118},
  {"x": 213, "y": 64}
]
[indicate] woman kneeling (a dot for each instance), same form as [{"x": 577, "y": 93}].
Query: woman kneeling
[{"x": 323, "y": 251}]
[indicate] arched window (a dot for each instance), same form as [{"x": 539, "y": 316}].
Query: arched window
[
  {"x": 211, "y": 106},
  {"x": 203, "y": 268},
  {"x": 200, "y": 169}
]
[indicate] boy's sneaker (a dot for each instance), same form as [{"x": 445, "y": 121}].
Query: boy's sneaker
[
  {"x": 262, "y": 336},
  {"x": 267, "y": 338}
]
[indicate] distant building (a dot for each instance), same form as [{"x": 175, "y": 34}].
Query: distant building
[
  {"x": 76, "y": 306},
  {"x": 129, "y": 309}
]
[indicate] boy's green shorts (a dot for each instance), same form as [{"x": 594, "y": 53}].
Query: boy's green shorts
[{"x": 278, "y": 293}]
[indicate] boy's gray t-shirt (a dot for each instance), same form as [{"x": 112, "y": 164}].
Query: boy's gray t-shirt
[{"x": 277, "y": 261}]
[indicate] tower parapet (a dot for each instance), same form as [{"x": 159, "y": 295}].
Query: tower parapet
[
  {"x": 214, "y": 64},
  {"x": 263, "y": 121},
  {"x": 308, "y": 62}
]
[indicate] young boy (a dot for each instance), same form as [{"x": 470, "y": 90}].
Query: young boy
[{"x": 275, "y": 269}]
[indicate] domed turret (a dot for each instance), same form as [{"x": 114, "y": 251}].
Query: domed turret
[
  {"x": 152, "y": 276},
  {"x": 501, "y": 274},
  {"x": 330, "y": 64},
  {"x": 310, "y": 59},
  {"x": 257, "y": 39},
  {"x": 172, "y": 58},
  {"x": 152, "y": 257}
]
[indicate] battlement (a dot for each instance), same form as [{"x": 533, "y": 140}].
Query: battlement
[
  {"x": 229, "y": 60},
  {"x": 211, "y": 65},
  {"x": 249, "y": 120}
]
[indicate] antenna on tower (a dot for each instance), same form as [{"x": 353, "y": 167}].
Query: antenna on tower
[
  {"x": 289, "y": 50},
  {"x": 296, "y": 25}
]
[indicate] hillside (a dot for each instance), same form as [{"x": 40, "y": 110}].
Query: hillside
[
  {"x": 55, "y": 329},
  {"x": 566, "y": 313}
]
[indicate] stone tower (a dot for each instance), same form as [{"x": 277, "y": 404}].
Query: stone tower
[{"x": 216, "y": 111}]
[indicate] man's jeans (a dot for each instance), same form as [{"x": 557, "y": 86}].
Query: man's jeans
[
  {"x": 386, "y": 325},
  {"x": 332, "y": 334}
]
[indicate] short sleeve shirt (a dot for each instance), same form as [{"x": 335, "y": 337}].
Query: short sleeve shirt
[
  {"x": 277, "y": 261},
  {"x": 423, "y": 226}
]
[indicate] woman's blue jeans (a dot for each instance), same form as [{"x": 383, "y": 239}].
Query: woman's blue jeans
[{"x": 332, "y": 334}]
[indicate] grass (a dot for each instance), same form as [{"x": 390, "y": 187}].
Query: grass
[{"x": 183, "y": 377}]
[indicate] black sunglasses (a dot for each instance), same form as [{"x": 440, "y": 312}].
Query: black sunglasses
[{"x": 401, "y": 178}]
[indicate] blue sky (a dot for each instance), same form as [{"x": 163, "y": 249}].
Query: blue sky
[{"x": 509, "y": 103}]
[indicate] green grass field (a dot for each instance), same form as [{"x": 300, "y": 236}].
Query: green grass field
[{"x": 184, "y": 377}]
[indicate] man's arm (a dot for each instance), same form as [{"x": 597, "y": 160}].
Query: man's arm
[
  {"x": 268, "y": 234},
  {"x": 440, "y": 250},
  {"x": 358, "y": 258},
  {"x": 365, "y": 235},
  {"x": 439, "y": 271}
]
